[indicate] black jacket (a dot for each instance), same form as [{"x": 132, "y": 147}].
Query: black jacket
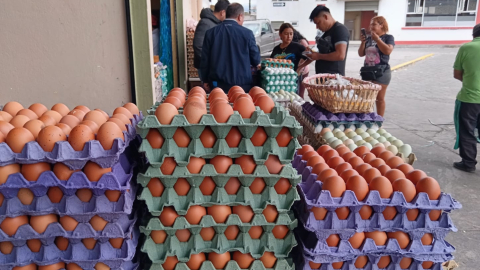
[
  {"x": 229, "y": 52},
  {"x": 207, "y": 21}
]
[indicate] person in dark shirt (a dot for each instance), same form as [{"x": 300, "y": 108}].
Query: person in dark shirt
[
  {"x": 229, "y": 51},
  {"x": 377, "y": 49},
  {"x": 332, "y": 45}
]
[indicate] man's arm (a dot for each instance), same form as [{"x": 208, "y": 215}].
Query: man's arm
[
  {"x": 458, "y": 74},
  {"x": 338, "y": 55},
  {"x": 458, "y": 65},
  {"x": 205, "y": 63},
  {"x": 254, "y": 53}
]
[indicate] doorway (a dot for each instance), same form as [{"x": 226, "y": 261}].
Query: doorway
[{"x": 358, "y": 15}]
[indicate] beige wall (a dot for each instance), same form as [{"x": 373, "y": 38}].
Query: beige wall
[{"x": 69, "y": 51}]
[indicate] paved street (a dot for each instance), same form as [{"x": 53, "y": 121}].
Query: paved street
[{"x": 418, "y": 94}]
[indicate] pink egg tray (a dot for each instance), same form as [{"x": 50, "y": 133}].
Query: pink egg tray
[
  {"x": 118, "y": 179},
  {"x": 121, "y": 227},
  {"x": 64, "y": 153},
  {"x": 70, "y": 205},
  {"x": 76, "y": 253}
]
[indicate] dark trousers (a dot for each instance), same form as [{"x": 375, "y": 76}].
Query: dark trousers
[
  {"x": 469, "y": 120},
  {"x": 225, "y": 87}
]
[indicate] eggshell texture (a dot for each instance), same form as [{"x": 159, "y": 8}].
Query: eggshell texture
[
  {"x": 101, "y": 266},
  {"x": 55, "y": 115},
  {"x": 268, "y": 259},
  {"x": 245, "y": 212},
  {"x": 168, "y": 216},
  {"x": 77, "y": 113},
  {"x": 10, "y": 225},
  {"x": 156, "y": 187},
  {"x": 55, "y": 266},
  {"x": 84, "y": 194},
  {"x": 89, "y": 243},
  {"x": 65, "y": 128},
  {"x": 357, "y": 161},
  {"x": 406, "y": 187},
  {"x": 219, "y": 261},
  {"x": 70, "y": 120},
  {"x": 273, "y": 164},
  {"x": 122, "y": 118},
  {"x": 255, "y": 232},
  {"x": 220, "y": 213},
  {"x": 427, "y": 239},
  {"x": 123, "y": 111},
  {"x": 181, "y": 138},
  {"x": 427, "y": 265},
  {"x": 195, "y": 165},
  {"x": 68, "y": 223},
  {"x": 270, "y": 212},
  {"x": 329, "y": 154},
  {"x": 405, "y": 263},
  {"x": 280, "y": 231},
  {"x": 208, "y": 138},
  {"x": 55, "y": 194},
  {"x": 244, "y": 106},
  {"x": 322, "y": 149},
  {"x": 62, "y": 171},
  {"x": 384, "y": 262},
  {"x": 319, "y": 212},
  {"x": 25, "y": 196},
  {"x": 194, "y": 112},
  {"x": 327, "y": 173},
  {"x": 247, "y": 163},
  {"x": 389, "y": 213},
  {"x": 243, "y": 260},
  {"x": 361, "y": 261},
  {"x": 416, "y": 175},
  {"x": 28, "y": 113},
  {"x": 257, "y": 186},
  {"x": 154, "y": 138},
  {"x": 17, "y": 138},
  {"x": 284, "y": 137},
  {"x": 183, "y": 235},
  {"x": 48, "y": 136},
  {"x": 170, "y": 263},
  {"x": 314, "y": 160},
  {"x": 32, "y": 172},
  {"x": 104, "y": 113},
  {"x": 107, "y": 133},
  {"x": 394, "y": 162},
  {"x": 207, "y": 234},
  {"x": 233, "y": 137},
  {"x": 182, "y": 187},
  {"x": 165, "y": 113},
  {"x": 38, "y": 109},
  {"x": 361, "y": 150},
  {"x": 196, "y": 261},
  {"x": 34, "y": 126},
  {"x": 259, "y": 137},
  {"x": 12, "y": 107},
  {"x": 380, "y": 238},
  {"x": 265, "y": 103},
  {"x": 61, "y": 243},
  {"x": 231, "y": 232},
  {"x": 282, "y": 186},
  {"x": 40, "y": 223},
  {"x": 195, "y": 213},
  {"x": 207, "y": 186},
  {"x": 158, "y": 236},
  {"x": 79, "y": 136},
  {"x": 221, "y": 112},
  {"x": 346, "y": 174},
  {"x": 429, "y": 186},
  {"x": 34, "y": 245},
  {"x": 368, "y": 157},
  {"x": 402, "y": 238},
  {"x": 365, "y": 212},
  {"x": 6, "y": 248},
  {"x": 370, "y": 174},
  {"x": 357, "y": 239},
  {"x": 232, "y": 186},
  {"x": 383, "y": 185},
  {"x": 305, "y": 148},
  {"x": 113, "y": 195},
  {"x": 96, "y": 117},
  {"x": 168, "y": 165},
  {"x": 94, "y": 172},
  {"x": 5, "y": 128},
  {"x": 394, "y": 174},
  {"x": 386, "y": 155},
  {"x": 435, "y": 215},
  {"x": 6, "y": 170},
  {"x": 412, "y": 214},
  {"x": 335, "y": 185},
  {"x": 362, "y": 168},
  {"x": 405, "y": 168},
  {"x": 333, "y": 240},
  {"x": 347, "y": 156},
  {"x": 342, "y": 212},
  {"x": 119, "y": 123}
]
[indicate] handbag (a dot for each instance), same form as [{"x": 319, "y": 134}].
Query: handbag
[{"x": 371, "y": 73}]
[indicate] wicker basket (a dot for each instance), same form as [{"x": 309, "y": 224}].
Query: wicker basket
[{"x": 358, "y": 97}]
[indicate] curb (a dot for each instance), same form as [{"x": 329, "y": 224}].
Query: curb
[{"x": 411, "y": 62}]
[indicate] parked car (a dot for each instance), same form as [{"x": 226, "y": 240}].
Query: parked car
[{"x": 266, "y": 38}]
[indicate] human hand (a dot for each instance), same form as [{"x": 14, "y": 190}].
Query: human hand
[
  {"x": 375, "y": 36},
  {"x": 315, "y": 56},
  {"x": 363, "y": 38}
]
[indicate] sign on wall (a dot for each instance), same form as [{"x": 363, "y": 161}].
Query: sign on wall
[{"x": 280, "y": 4}]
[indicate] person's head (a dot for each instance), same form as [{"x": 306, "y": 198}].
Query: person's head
[
  {"x": 235, "y": 11},
  {"x": 379, "y": 25},
  {"x": 476, "y": 31},
  {"x": 286, "y": 33},
  {"x": 322, "y": 18},
  {"x": 220, "y": 10}
]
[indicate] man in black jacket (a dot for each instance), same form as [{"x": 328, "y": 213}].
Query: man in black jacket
[
  {"x": 209, "y": 19},
  {"x": 229, "y": 52}
]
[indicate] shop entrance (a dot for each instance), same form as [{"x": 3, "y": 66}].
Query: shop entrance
[{"x": 358, "y": 15}]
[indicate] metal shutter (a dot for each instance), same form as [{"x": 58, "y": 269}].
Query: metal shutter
[{"x": 361, "y": 5}]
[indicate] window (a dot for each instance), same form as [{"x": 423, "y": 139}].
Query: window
[
  {"x": 438, "y": 13},
  {"x": 266, "y": 28}
]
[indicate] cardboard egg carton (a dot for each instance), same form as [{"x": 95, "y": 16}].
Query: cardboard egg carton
[
  {"x": 157, "y": 253},
  {"x": 64, "y": 153},
  {"x": 318, "y": 114},
  {"x": 127, "y": 265},
  {"x": 75, "y": 252},
  {"x": 70, "y": 205},
  {"x": 121, "y": 227},
  {"x": 277, "y": 63}
]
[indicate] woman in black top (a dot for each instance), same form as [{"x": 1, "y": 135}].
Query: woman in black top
[
  {"x": 377, "y": 49},
  {"x": 289, "y": 50}
]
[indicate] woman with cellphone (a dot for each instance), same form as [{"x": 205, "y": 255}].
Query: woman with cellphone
[{"x": 377, "y": 49}]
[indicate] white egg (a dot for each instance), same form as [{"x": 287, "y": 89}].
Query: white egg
[
  {"x": 391, "y": 139},
  {"x": 361, "y": 142},
  {"x": 359, "y": 131},
  {"x": 381, "y": 131},
  {"x": 397, "y": 143},
  {"x": 357, "y": 138},
  {"x": 335, "y": 143},
  {"x": 381, "y": 139},
  {"x": 393, "y": 149},
  {"x": 336, "y": 130},
  {"x": 348, "y": 142},
  {"x": 344, "y": 138},
  {"x": 339, "y": 134},
  {"x": 375, "y": 127},
  {"x": 365, "y": 135},
  {"x": 318, "y": 129},
  {"x": 379, "y": 144},
  {"x": 331, "y": 127},
  {"x": 371, "y": 131},
  {"x": 351, "y": 134},
  {"x": 363, "y": 126},
  {"x": 373, "y": 142},
  {"x": 348, "y": 130},
  {"x": 331, "y": 139},
  {"x": 367, "y": 145},
  {"x": 387, "y": 135},
  {"x": 405, "y": 149},
  {"x": 352, "y": 146},
  {"x": 387, "y": 144},
  {"x": 368, "y": 139},
  {"x": 341, "y": 127},
  {"x": 327, "y": 135},
  {"x": 375, "y": 135}
]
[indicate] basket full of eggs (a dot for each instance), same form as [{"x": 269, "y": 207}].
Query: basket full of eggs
[
  {"x": 65, "y": 187},
  {"x": 219, "y": 185},
  {"x": 369, "y": 210}
]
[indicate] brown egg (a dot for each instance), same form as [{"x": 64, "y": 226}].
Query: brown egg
[
  {"x": 383, "y": 186},
  {"x": 314, "y": 265},
  {"x": 80, "y": 135},
  {"x": 207, "y": 234},
  {"x": 89, "y": 243},
  {"x": 6, "y": 247},
  {"x": 12, "y": 107},
  {"x": 55, "y": 115},
  {"x": 196, "y": 261},
  {"x": 376, "y": 162},
  {"x": 394, "y": 174},
  {"x": 268, "y": 259},
  {"x": 113, "y": 195},
  {"x": 427, "y": 265},
  {"x": 232, "y": 186},
  {"x": 256, "y": 232},
  {"x": 221, "y": 163},
  {"x": 83, "y": 108},
  {"x": 389, "y": 213},
  {"x": 319, "y": 168},
  {"x": 258, "y": 185},
  {"x": 347, "y": 156},
  {"x": 65, "y": 128},
  {"x": 195, "y": 213},
  {"x": 380, "y": 238},
  {"x": 48, "y": 120},
  {"x": 98, "y": 223},
  {"x": 96, "y": 117},
  {"x": 168, "y": 216},
  {"x": 314, "y": 160},
  {"x": 342, "y": 212},
  {"x": 38, "y": 109},
  {"x": 429, "y": 186},
  {"x": 427, "y": 239},
  {"x": 181, "y": 138},
  {"x": 357, "y": 162},
  {"x": 174, "y": 101},
  {"x": 247, "y": 163},
  {"x": 233, "y": 137},
  {"x": 124, "y": 111},
  {"x": 309, "y": 154},
  {"x": 101, "y": 266},
  {"x": 34, "y": 245},
  {"x": 219, "y": 213},
  {"x": 335, "y": 185},
  {"x": 416, "y": 175},
  {"x": 357, "y": 239},
  {"x": 17, "y": 138},
  {"x": 368, "y": 157},
  {"x": 25, "y": 196},
  {"x": 94, "y": 172},
  {"x": 244, "y": 106},
  {"x": 319, "y": 212},
  {"x": 91, "y": 124},
  {"x": 280, "y": 231},
  {"x": 122, "y": 118},
  {"x": 370, "y": 174},
  {"x": 68, "y": 223},
  {"x": 219, "y": 261},
  {"x": 282, "y": 186},
  {"x": 5, "y": 128},
  {"x": 406, "y": 187},
  {"x": 361, "y": 262},
  {"x": 259, "y": 137},
  {"x": 394, "y": 162},
  {"x": 26, "y": 267},
  {"x": 77, "y": 113},
  {"x": 435, "y": 215},
  {"x": 195, "y": 165},
  {"x": 70, "y": 120},
  {"x": 405, "y": 263},
  {"x": 284, "y": 137},
  {"x": 384, "y": 262},
  {"x": 346, "y": 174},
  {"x": 156, "y": 187},
  {"x": 104, "y": 113},
  {"x": 154, "y": 138},
  {"x": 61, "y": 243},
  {"x": 116, "y": 242},
  {"x": 34, "y": 126},
  {"x": 377, "y": 150},
  {"x": 361, "y": 150},
  {"x": 243, "y": 260},
  {"x": 119, "y": 123},
  {"x": 4, "y": 116},
  {"x": 158, "y": 236},
  {"x": 107, "y": 133},
  {"x": 321, "y": 150},
  {"x": 245, "y": 213},
  {"x": 183, "y": 235},
  {"x": 208, "y": 138},
  {"x": 412, "y": 214},
  {"x": 55, "y": 266},
  {"x": 48, "y": 136},
  {"x": 168, "y": 165},
  {"x": 405, "y": 168},
  {"x": 62, "y": 171},
  {"x": 333, "y": 240},
  {"x": 402, "y": 238},
  {"x": 207, "y": 186},
  {"x": 2, "y": 137},
  {"x": 194, "y": 112},
  {"x": 61, "y": 109},
  {"x": 337, "y": 265},
  {"x": 340, "y": 168},
  {"x": 132, "y": 108},
  {"x": 28, "y": 113},
  {"x": 265, "y": 103},
  {"x": 1, "y": 199},
  {"x": 256, "y": 90},
  {"x": 6, "y": 170},
  {"x": 333, "y": 162},
  {"x": 84, "y": 194},
  {"x": 231, "y": 232},
  {"x": 32, "y": 172},
  {"x": 170, "y": 263},
  {"x": 365, "y": 212},
  {"x": 270, "y": 212},
  {"x": 40, "y": 223},
  {"x": 55, "y": 194},
  {"x": 273, "y": 164}
]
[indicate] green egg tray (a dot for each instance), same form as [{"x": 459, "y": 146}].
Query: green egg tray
[
  {"x": 281, "y": 264},
  {"x": 157, "y": 253}
]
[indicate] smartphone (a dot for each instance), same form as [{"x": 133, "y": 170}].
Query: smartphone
[{"x": 364, "y": 32}]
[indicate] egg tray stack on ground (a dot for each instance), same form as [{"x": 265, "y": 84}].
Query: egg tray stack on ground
[
  {"x": 77, "y": 215},
  {"x": 278, "y": 74},
  {"x": 192, "y": 71},
  {"x": 381, "y": 225},
  {"x": 219, "y": 199}
]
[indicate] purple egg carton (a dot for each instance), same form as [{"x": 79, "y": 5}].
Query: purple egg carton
[
  {"x": 64, "y": 153},
  {"x": 75, "y": 252},
  {"x": 315, "y": 245},
  {"x": 121, "y": 227},
  {"x": 70, "y": 205},
  {"x": 118, "y": 179},
  {"x": 317, "y": 113}
]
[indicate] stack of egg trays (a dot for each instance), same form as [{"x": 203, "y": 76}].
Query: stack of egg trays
[
  {"x": 272, "y": 82},
  {"x": 320, "y": 116},
  {"x": 118, "y": 214},
  {"x": 313, "y": 233},
  {"x": 272, "y": 64}
]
